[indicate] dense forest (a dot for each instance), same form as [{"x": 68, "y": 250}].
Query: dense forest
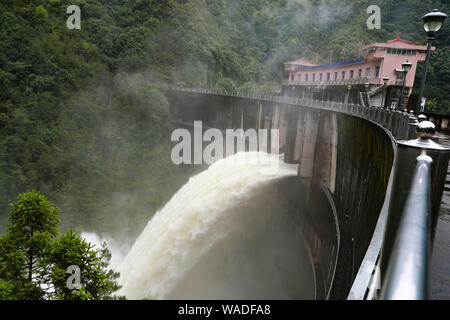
[{"x": 84, "y": 118}]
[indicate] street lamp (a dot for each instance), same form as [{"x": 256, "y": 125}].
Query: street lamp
[
  {"x": 406, "y": 66},
  {"x": 349, "y": 87},
  {"x": 432, "y": 23},
  {"x": 385, "y": 82}
]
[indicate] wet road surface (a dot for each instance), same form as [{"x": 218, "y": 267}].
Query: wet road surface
[{"x": 440, "y": 260}]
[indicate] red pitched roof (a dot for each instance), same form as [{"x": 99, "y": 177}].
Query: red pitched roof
[{"x": 397, "y": 44}]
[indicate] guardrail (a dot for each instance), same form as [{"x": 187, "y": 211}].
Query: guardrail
[
  {"x": 409, "y": 214},
  {"x": 406, "y": 276},
  {"x": 341, "y": 82},
  {"x": 400, "y": 124}
]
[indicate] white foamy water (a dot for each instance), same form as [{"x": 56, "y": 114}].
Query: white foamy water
[
  {"x": 118, "y": 250},
  {"x": 217, "y": 238}
]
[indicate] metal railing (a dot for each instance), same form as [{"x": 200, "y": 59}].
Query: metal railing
[
  {"x": 332, "y": 82},
  {"x": 400, "y": 124},
  {"x": 406, "y": 276},
  {"x": 377, "y": 90}
]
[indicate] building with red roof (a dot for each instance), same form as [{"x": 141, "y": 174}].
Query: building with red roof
[{"x": 381, "y": 60}]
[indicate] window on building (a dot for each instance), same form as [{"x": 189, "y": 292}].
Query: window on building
[
  {"x": 314, "y": 77},
  {"x": 351, "y": 74},
  {"x": 404, "y": 52},
  {"x": 368, "y": 73},
  {"x": 292, "y": 77},
  {"x": 377, "y": 72},
  {"x": 306, "y": 77},
  {"x": 360, "y": 73},
  {"x": 335, "y": 75},
  {"x": 343, "y": 75},
  {"x": 328, "y": 76},
  {"x": 320, "y": 77},
  {"x": 299, "y": 77},
  {"x": 389, "y": 50}
]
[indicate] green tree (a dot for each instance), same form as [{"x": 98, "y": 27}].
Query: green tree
[
  {"x": 95, "y": 281},
  {"x": 432, "y": 105},
  {"x": 34, "y": 262},
  {"x": 227, "y": 84},
  {"x": 33, "y": 226},
  {"x": 12, "y": 260},
  {"x": 40, "y": 15}
]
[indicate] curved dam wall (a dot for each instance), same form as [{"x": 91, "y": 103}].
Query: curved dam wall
[{"x": 344, "y": 164}]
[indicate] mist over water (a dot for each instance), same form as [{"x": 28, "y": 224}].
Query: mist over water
[
  {"x": 223, "y": 235},
  {"x": 118, "y": 250}
]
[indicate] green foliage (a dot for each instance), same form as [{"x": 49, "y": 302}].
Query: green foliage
[
  {"x": 226, "y": 84},
  {"x": 432, "y": 105},
  {"x": 33, "y": 225},
  {"x": 71, "y": 249},
  {"x": 33, "y": 261},
  {"x": 40, "y": 15}
]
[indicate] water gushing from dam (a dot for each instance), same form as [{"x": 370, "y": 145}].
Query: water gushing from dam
[{"x": 223, "y": 235}]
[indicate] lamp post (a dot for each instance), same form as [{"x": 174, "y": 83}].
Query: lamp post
[
  {"x": 432, "y": 23},
  {"x": 349, "y": 87},
  {"x": 406, "y": 66},
  {"x": 323, "y": 92},
  {"x": 385, "y": 82}
]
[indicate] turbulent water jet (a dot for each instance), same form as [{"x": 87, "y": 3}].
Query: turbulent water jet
[{"x": 223, "y": 235}]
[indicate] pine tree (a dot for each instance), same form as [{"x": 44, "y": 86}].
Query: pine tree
[
  {"x": 33, "y": 227},
  {"x": 34, "y": 261},
  {"x": 93, "y": 281}
]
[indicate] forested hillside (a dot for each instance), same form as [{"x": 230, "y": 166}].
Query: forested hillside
[{"x": 83, "y": 113}]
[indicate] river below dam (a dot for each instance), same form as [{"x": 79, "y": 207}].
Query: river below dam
[{"x": 440, "y": 261}]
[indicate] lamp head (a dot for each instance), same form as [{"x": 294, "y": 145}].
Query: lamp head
[
  {"x": 432, "y": 22},
  {"x": 406, "y": 66},
  {"x": 385, "y": 80}
]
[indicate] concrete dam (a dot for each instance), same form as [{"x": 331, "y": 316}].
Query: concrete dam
[{"x": 367, "y": 190}]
